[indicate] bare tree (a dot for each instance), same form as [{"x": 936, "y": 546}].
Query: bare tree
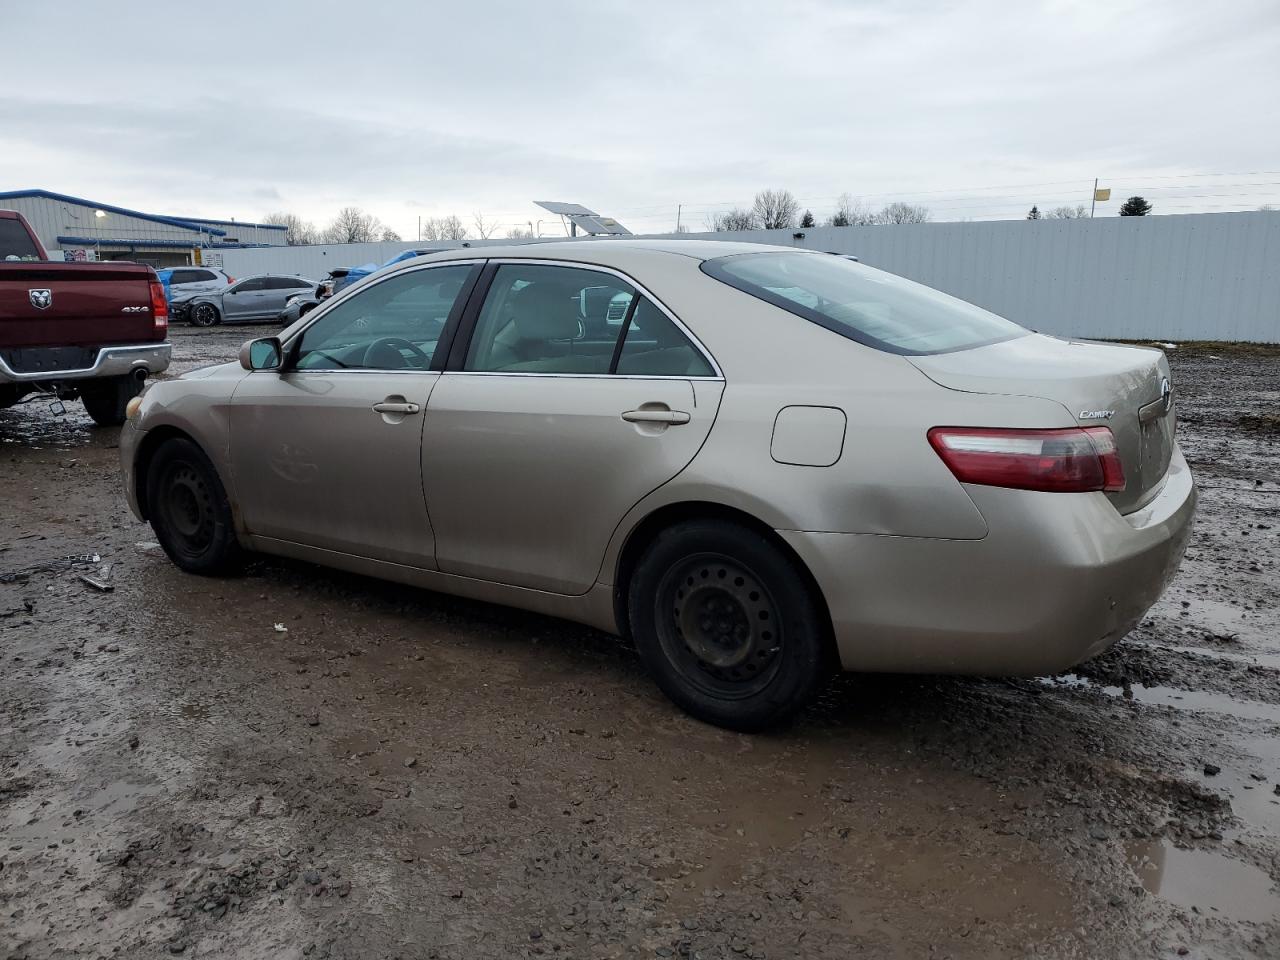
[
  {"x": 300, "y": 231},
  {"x": 735, "y": 219},
  {"x": 352, "y": 225},
  {"x": 1078, "y": 212},
  {"x": 775, "y": 209},
  {"x": 484, "y": 228},
  {"x": 443, "y": 228},
  {"x": 850, "y": 212},
  {"x": 903, "y": 213},
  {"x": 389, "y": 235},
  {"x": 520, "y": 233}
]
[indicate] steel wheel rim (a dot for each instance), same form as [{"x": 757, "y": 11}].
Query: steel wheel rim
[
  {"x": 719, "y": 626},
  {"x": 188, "y": 508}
]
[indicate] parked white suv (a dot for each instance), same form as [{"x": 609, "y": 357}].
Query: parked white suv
[{"x": 186, "y": 282}]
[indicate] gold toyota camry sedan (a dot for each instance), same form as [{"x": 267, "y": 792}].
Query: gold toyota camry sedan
[{"x": 757, "y": 463}]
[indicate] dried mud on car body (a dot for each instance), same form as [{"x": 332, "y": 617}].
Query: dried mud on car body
[{"x": 405, "y": 774}]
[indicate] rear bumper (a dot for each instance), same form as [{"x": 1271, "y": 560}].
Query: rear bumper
[
  {"x": 110, "y": 362},
  {"x": 1058, "y": 579}
]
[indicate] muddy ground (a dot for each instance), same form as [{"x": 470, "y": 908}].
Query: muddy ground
[{"x": 401, "y": 774}]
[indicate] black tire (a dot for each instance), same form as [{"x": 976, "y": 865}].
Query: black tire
[
  {"x": 189, "y": 510},
  {"x": 727, "y": 626},
  {"x": 105, "y": 400},
  {"x": 205, "y": 315}
]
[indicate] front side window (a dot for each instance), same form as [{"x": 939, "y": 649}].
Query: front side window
[
  {"x": 863, "y": 304},
  {"x": 251, "y": 286},
  {"x": 392, "y": 325},
  {"x": 184, "y": 276}
]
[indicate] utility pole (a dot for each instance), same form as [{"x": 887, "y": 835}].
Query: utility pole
[
  {"x": 679, "y": 208},
  {"x": 1094, "y": 201}
]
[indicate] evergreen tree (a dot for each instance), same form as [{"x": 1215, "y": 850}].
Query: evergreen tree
[
  {"x": 1135, "y": 207},
  {"x": 807, "y": 219},
  {"x": 1033, "y": 213}
]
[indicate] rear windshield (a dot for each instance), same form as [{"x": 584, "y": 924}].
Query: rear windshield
[
  {"x": 15, "y": 242},
  {"x": 863, "y": 304}
]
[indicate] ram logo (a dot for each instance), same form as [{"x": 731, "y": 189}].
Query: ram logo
[{"x": 41, "y": 299}]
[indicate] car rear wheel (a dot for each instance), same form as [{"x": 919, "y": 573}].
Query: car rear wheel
[
  {"x": 189, "y": 510},
  {"x": 105, "y": 400},
  {"x": 205, "y": 315},
  {"x": 727, "y": 626}
]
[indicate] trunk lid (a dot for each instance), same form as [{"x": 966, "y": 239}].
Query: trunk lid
[
  {"x": 90, "y": 305},
  {"x": 1100, "y": 385}
]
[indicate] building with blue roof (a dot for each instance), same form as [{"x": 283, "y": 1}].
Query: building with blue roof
[{"x": 81, "y": 229}]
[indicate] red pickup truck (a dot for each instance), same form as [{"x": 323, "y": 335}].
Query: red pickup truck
[{"x": 88, "y": 330}]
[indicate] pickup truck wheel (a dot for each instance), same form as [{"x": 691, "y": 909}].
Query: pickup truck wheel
[
  {"x": 205, "y": 315},
  {"x": 189, "y": 510},
  {"x": 105, "y": 400}
]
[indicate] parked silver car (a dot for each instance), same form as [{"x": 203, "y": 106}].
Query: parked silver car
[
  {"x": 774, "y": 462},
  {"x": 253, "y": 298}
]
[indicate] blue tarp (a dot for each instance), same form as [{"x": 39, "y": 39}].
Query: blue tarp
[
  {"x": 360, "y": 272},
  {"x": 165, "y": 276}
]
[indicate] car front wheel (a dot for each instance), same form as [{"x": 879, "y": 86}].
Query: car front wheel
[
  {"x": 204, "y": 315},
  {"x": 727, "y": 626},
  {"x": 189, "y": 511}
]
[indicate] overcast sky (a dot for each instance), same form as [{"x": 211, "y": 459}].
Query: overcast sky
[{"x": 975, "y": 109}]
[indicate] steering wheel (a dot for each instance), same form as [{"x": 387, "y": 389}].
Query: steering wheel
[{"x": 397, "y": 344}]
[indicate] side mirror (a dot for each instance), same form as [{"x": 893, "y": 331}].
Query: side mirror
[{"x": 263, "y": 354}]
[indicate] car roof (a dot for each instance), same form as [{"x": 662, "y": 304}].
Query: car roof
[{"x": 610, "y": 251}]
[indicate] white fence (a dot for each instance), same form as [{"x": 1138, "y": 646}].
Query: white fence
[{"x": 1212, "y": 276}]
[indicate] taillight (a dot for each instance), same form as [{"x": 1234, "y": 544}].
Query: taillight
[
  {"x": 159, "y": 306},
  {"x": 1072, "y": 460},
  {"x": 230, "y": 280}
]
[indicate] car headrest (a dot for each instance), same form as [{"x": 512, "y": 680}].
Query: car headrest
[{"x": 544, "y": 311}]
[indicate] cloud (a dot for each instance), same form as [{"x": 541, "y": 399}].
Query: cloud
[{"x": 635, "y": 108}]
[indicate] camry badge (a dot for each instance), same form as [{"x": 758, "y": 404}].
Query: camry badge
[
  {"x": 1096, "y": 414},
  {"x": 41, "y": 299}
]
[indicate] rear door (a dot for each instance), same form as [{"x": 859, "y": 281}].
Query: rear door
[{"x": 536, "y": 444}]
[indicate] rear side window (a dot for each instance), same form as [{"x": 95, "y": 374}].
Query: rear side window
[
  {"x": 285, "y": 283},
  {"x": 15, "y": 242},
  {"x": 656, "y": 347},
  {"x": 186, "y": 276},
  {"x": 863, "y": 304}
]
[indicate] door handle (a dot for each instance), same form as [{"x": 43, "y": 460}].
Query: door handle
[
  {"x": 395, "y": 406},
  {"x": 672, "y": 417}
]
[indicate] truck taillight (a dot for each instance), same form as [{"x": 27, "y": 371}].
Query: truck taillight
[
  {"x": 159, "y": 306},
  {"x": 1072, "y": 460}
]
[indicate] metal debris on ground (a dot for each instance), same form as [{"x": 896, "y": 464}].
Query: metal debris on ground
[
  {"x": 53, "y": 565},
  {"x": 102, "y": 581}
]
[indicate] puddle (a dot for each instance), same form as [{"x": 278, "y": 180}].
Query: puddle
[
  {"x": 1254, "y": 659},
  {"x": 1179, "y": 699},
  {"x": 1211, "y": 882}
]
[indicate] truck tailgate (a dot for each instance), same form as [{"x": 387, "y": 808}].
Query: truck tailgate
[{"x": 89, "y": 304}]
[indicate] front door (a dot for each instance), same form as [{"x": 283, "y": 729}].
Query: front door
[
  {"x": 556, "y": 424},
  {"x": 328, "y": 452},
  {"x": 243, "y": 300}
]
